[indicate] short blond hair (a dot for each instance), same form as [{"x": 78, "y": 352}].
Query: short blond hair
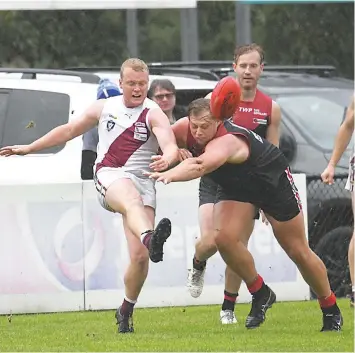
[{"x": 135, "y": 64}]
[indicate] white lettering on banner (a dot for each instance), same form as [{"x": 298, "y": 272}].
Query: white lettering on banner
[{"x": 81, "y": 253}]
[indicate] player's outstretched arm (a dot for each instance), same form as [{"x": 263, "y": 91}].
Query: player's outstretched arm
[
  {"x": 161, "y": 128},
  {"x": 60, "y": 134},
  {"x": 273, "y": 130},
  {"x": 344, "y": 135},
  {"x": 217, "y": 152},
  {"x": 180, "y": 129},
  {"x": 342, "y": 140}
]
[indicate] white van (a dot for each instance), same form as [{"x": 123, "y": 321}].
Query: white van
[{"x": 29, "y": 108}]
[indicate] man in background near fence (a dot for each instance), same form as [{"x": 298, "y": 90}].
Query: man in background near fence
[
  {"x": 163, "y": 92},
  {"x": 342, "y": 141},
  {"x": 131, "y": 128},
  {"x": 257, "y": 112},
  {"x": 105, "y": 90}
]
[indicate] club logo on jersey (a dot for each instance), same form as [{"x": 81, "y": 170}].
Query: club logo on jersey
[
  {"x": 260, "y": 121},
  {"x": 140, "y": 132},
  {"x": 140, "y": 137},
  {"x": 140, "y": 129},
  {"x": 110, "y": 125}
]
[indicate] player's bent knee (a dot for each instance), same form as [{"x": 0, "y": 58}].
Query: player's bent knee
[
  {"x": 122, "y": 195},
  {"x": 125, "y": 204},
  {"x": 133, "y": 203},
  {"x": 221, "y": 240},
  {"x": 299, "y": 254},
  {"x": 208, "y": 240},
  {"x": 211, "y": 245},
  {"x": 139, "y": 255}
]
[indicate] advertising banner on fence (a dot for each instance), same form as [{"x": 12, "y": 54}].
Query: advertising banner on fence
[{"x": 60, "y": 251}]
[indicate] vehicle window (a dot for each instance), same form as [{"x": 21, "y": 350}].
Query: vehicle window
[
  {"x": 31, "y": 114},
  {"x": 4, "y": 98},
  {"x": 185, "y": 97},
  {"x": 319, "y": 115}
]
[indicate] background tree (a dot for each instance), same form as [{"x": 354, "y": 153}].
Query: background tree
[{"x": 289, "y": 33}]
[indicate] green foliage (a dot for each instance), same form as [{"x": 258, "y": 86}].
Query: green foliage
[
  {"x": 289, "y": 33},
  {"x": 307, "y": 34},
  {"x": 216, "y": 30},
  {"x": 62, "y": 38},
  {"x": 160, "y": 35}
]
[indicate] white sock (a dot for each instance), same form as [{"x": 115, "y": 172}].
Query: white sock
[
  {"x": 353, "y": 289},
  {"x": 130, "y": 300}
]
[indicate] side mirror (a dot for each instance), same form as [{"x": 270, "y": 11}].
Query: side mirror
[{"x": 288, "y": 147}]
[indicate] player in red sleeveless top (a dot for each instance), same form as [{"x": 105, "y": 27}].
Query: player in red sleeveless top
[
  {"x": 250, "y": 169},
  {"x": 257, "y": 112}
]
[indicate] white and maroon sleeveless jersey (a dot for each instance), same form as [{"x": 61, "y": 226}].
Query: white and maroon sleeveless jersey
[{"x": 125, "y": 136}]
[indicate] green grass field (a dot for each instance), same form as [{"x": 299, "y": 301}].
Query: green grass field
[{"x": 290, "y": 327}]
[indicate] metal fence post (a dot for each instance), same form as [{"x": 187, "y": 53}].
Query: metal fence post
[
  {"x": 189, "y": 34},
  {"x": 242, "y": 23},
  {"x": 132, "y": 32}
]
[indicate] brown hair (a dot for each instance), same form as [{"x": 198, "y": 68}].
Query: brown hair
[
  {"x": 161, "y": 83},
  {"x": 248, "y": 48},
  {"x": 134, "y": 64},
  {"x": 197, "y": 106}
]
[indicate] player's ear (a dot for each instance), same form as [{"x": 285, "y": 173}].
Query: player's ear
[
  {"x": 261, "y": 67},
  {"x": 120, "y": 82},
  {"x": 235, "y": 67}
]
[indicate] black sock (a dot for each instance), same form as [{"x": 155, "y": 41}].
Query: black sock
[
  {"x": 127, "y": 308},
  {"x": 334, "y": 309},
  {"x": 198, "y": 265},
  {"x": 262, "y": 292},
  {"x": 229, "y": 301}
]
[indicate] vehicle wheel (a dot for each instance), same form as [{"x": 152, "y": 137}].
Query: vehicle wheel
[
  {"x": 327, "y": 216},
  {"x": 333, "y": 251}
]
